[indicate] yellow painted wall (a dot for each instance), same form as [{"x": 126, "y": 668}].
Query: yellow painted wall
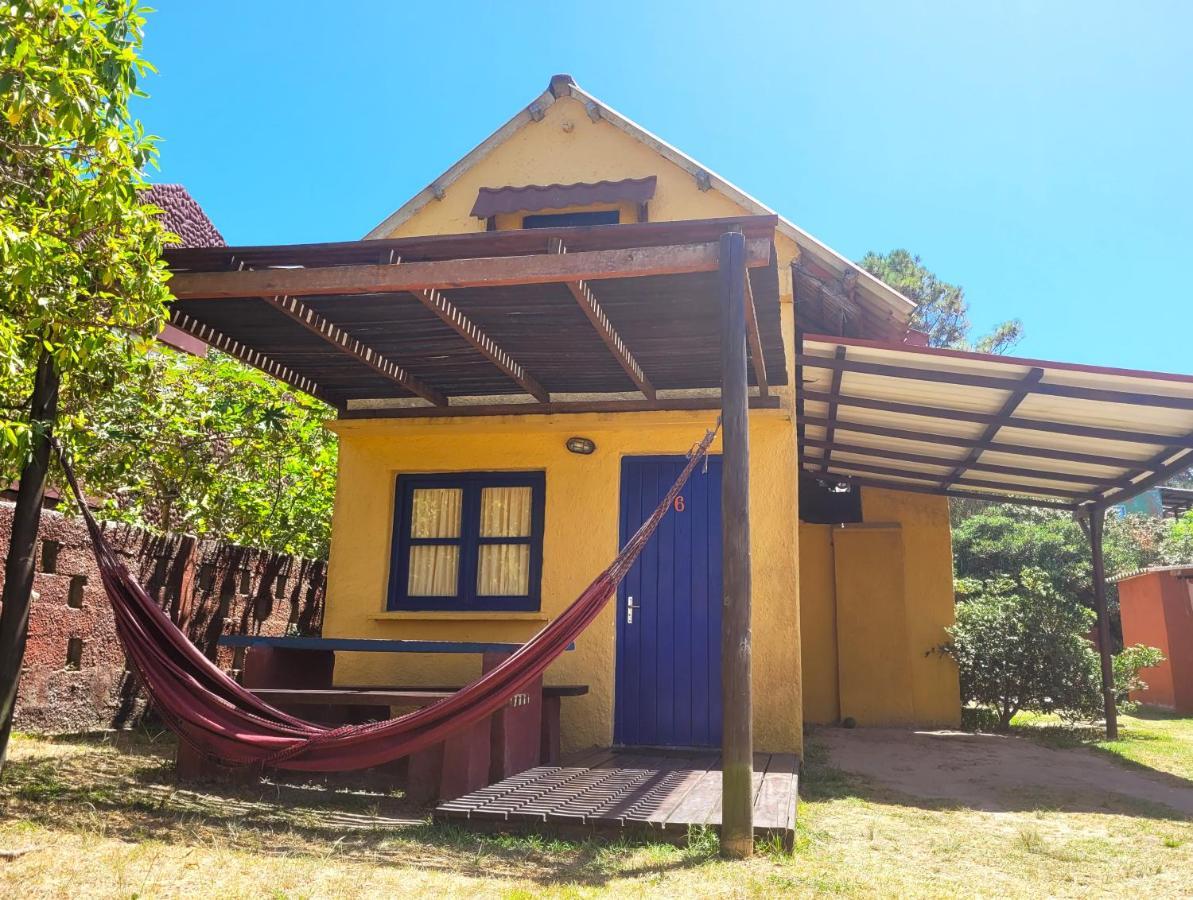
[
  {"x": 873, "y": 670},
  {"x": 818, "y": 623},
  {"x": 581, "y": 537},
  {"x": 926, "y": 599}
]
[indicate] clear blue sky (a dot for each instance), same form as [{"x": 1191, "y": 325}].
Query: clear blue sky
[{"x": 1040, "y": 154}]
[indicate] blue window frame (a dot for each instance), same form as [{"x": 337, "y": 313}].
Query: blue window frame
[{"x": 451, "y": 574}]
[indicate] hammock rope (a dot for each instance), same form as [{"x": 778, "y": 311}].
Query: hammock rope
[{"x": 228, "y": 723}]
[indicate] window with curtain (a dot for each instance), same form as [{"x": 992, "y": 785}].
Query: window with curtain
[{"x": 468, "y": 541}]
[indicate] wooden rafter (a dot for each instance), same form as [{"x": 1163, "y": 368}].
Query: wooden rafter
[
  {"x": 948, "y": 440},
  {"x": 266, "y": 364},
  {"x": 341, "y": 340},
  {"x": 450, "y": 314},
  {"x": 595, "y": 313},
  {"x": 834, "y": 392},
  {"x": 754, "y": 339},
  {"x": 958, "y": 415},
  {"x": 554, "y": 408},
  {"x": 498, "y": 271},
  {"x": 951, "y": 492},
  {"x": 1161, "y": 467},
  {"x": 869, "y": 468},
  {"x": 997, "y": 383},
  {"x": 1008, "y": 408},
  {"x": 927, "y": 459}
]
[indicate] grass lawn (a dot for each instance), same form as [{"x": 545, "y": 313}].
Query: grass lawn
[
  {"x": 1151, "y": 738},
  {"x": 101, "y": 816}
]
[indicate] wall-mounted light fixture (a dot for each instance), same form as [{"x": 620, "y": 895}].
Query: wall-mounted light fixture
[{"x": 581, "y": 445}]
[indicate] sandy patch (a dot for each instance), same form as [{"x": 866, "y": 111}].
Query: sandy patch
[{"x": 998, "y": 773}]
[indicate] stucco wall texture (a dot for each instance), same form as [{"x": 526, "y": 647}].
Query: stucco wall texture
[
  {"x": 874, "y": 635},
  {"x": 212, "y": 588},
  {"x": 581, "y": 539}
]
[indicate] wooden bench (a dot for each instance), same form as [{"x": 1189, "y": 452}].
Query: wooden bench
[{"x": 298, "y": 671}]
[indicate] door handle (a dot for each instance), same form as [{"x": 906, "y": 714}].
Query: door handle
[{"x": 630, "y": 606}]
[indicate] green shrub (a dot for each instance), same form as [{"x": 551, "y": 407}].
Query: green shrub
[
  {"x": 1020, "y": 645},
  {"x": 1127, "y": 666}
]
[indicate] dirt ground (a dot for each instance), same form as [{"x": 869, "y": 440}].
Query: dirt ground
[{"x": 999, "y": 774}]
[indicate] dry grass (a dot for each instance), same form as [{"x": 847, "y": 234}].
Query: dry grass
[
  {"x": 1151, "y": 738},
  {"x": 102, "y": 817}
]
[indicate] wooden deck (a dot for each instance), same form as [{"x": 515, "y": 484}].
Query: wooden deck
[{"x": 609, "y": 791}]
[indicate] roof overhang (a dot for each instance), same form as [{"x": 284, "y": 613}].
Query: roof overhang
[
  {"x": 547, "y": 320},
  {"x": 988, "y": 427}
]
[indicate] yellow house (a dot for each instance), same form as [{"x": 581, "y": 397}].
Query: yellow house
[
  {"x": 848, "y": 599},
  {"x": 521, "y": 358}
]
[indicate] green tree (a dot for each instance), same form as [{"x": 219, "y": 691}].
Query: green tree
[
  {"x": 941, "y": 308},
  {"x": 213, "y": 447},
  {"x": 82, "y": 284}
]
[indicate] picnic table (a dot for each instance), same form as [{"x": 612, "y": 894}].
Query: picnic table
[{"x": 298, "y": 672}]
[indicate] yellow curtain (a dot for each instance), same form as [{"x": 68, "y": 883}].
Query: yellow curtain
[
  {"x": 503, "y": 570},
  {"x": 434, "y": 568}
]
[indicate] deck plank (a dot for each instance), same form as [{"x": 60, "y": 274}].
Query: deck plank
[{"x": 614, "y": 790}]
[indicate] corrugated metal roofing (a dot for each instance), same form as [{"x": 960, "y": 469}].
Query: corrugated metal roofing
[
  {"x": 532, "y": 197},
  {"x": 995, "y": 427}
]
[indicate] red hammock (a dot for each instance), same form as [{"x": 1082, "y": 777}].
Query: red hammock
[{"x": 228, "y": 723}]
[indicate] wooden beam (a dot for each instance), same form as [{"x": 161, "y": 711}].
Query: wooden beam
[
  {"x": 971, "y": 482},
  {"x": 961, "y": 415},
  {"x": 340, "y": 339},
  {"x": 1008, "y": 407},
  {"x": 582, "y": 293},
  {"x": 497, "y": 271},
  {"x": 997, "y": 383},
  {"x": 936, "y": 491},
  {"x": 757, "y": 359},
  {"x": 1097, "y": 519},
  {"x": 834, "y": 392},
  {"x": 551, "y": 409},
  {"x": 928, "y": 460},
  {"x": 1160, "y": 470},
  {"x": 948, "y": 440},
  {"x": 737, "y": 736},
  {"x": 449, "y": 313},
  {"x": 258, "y": 360}
]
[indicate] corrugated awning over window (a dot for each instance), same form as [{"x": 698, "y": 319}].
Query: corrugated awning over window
[
  {"x": 989, "y": 427},
  {"x": 532, "y": 197}
]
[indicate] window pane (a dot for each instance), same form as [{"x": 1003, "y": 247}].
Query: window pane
[
  {"x": 505, "y": 511},
  {"x": 436, "y": 513},
  {"x": 503, "y": 570},
  {"x": 434, "y": 570}
]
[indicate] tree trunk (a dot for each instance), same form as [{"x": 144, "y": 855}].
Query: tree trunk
[{"x": 22, "y": 546}]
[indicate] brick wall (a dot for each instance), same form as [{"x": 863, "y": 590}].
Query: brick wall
[{"x": 74, "y": 676}]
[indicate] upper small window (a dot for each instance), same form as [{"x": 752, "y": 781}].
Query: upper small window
[
  {"x": 468, "y": 541},
  {"x": 566, "y": 220}
]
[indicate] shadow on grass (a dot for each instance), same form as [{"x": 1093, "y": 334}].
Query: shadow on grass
[
  {"x": 131, "y": 795},
  {"x": 968, "y": 771}
]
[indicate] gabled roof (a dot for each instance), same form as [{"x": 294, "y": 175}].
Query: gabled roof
[{"x": 564, "y": 86}]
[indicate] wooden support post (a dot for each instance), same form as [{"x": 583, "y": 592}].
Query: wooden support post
[
  {"x": 737, "y": 741},
  {"x": 1097, "y": 519}
]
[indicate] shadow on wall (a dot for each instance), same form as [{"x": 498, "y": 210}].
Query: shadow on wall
[{"x": 74, "y": 676}]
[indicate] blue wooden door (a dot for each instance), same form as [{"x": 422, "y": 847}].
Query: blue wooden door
[{"x": 668, "y": 687}]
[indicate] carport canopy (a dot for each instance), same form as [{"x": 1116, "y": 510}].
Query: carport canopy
[{"x": 989, "y": 427}]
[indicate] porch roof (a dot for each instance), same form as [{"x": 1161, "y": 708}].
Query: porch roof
[
  {"x": 989, "y": 427},
  {"x": 464, "y": 323}
]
